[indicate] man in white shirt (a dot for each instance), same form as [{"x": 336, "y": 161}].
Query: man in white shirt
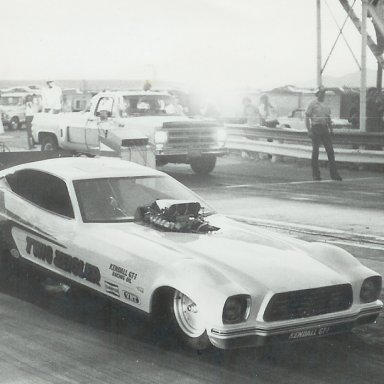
[
  {"x": 318, "y": 122},
  {"x": 52, "y": 98}
]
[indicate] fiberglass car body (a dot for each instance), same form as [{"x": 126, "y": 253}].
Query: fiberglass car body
[{"x": 138, "y": 236}]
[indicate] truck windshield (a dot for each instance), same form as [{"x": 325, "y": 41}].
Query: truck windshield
[
  {"x": 151, "y": 105},
  {"x": 112, "y": 200},
  {"x": 11, "y": 100}
]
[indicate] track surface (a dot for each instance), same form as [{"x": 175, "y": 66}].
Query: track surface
[{"x": 78, "y": 338}]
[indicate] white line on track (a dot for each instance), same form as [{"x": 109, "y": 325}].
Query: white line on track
[
  {"x": 375, "y": 240},
  {"x": 326, "y": 181},
  {"x": 239, "y": 186},
  {"x": 357, "y": 245},
  {"x": 302, "y": 182}
]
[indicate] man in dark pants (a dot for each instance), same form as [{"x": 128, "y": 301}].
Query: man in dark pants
[{"x": 318, "y": 122}]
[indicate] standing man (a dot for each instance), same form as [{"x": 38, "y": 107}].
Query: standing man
[
  {"x": 29, "y": 113},
  {"x": 52, "y": 98},
  {"x": 318, "y": 123},
  {"x": 250, "y": 112},
  {"x": 267, "y": 111}
]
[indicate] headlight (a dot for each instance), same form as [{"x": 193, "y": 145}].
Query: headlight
[
  {"x": 370, "y": 289},
  {"x": 221, "y": 135},
  {"x": 236, "y": 309},
  {"x": 161, "y": 137}
]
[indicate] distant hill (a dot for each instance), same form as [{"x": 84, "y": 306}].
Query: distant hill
[
  {"x": 348, "y": 80},
  {"x": 92, "y": 84}
]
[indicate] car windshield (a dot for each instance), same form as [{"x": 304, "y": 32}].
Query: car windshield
[
  {"x": 111, "y": 200},
  {"x": 150, "y": 105},
  {"x": 10, "y": 100}
]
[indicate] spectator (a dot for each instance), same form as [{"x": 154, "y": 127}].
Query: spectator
[
  {"x": 147, "y": 86},
  {"x": 250, "y": 112},
  {"x": 375, "y": 109},
  {"x": 52, "y": 97},
  {"x": 267, "y": 112},
  {"x": 29, "y": 113},
  {"x": 173, "y": 106},
  {"x": 318, "y": 123}
]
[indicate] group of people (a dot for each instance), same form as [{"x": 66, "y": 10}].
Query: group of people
[
  {"x": 264, "y": 114},
  {"x": 318, "y": 123}
]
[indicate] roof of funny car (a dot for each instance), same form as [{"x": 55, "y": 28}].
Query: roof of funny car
[{"x": 77, "y": 168}]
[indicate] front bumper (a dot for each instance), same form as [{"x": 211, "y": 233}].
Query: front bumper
[
  {"x": 190, "y": 153},
  {"x": 259, "y": 336}
]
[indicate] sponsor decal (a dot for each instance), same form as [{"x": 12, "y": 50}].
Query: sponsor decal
[
  {"x": 132, "y": 297},
  {"x": 112, "y": 288},
  {"x": 63, "y": 261},
  {"x": 122, "y": 273},
  {"x": 309, "y": 333}
]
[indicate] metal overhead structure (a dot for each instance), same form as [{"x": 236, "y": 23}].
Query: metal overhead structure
[{"x": 374, "y": 10}]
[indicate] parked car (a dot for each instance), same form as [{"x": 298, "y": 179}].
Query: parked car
[
  {"x": 136, "y": 235},
  {"x": 12, "y": 108},
  {"x": 296, "y": 121}
]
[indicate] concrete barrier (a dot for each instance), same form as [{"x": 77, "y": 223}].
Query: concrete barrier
[{"x": 350, "y": 146}]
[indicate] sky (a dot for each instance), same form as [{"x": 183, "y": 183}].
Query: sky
[{"x": 203, "y": 43}]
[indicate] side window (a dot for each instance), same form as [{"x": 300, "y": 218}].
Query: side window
[
  {"x": 105, "y": 106},
  {"x": 45, "y": 190}
]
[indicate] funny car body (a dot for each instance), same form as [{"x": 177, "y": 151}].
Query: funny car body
[{"x": 138, "y": 236}]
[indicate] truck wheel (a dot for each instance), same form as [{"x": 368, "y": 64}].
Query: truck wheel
[
  {"x": 49, "y": 143},
  {"x": 203, "y": 165},
  {"x": 14, "y": 123}
]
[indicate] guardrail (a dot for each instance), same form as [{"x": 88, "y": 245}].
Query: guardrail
[{"x": 350, "y": 145}]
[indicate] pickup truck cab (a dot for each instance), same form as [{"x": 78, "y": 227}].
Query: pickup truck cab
[{"x": 174, "y": 137}]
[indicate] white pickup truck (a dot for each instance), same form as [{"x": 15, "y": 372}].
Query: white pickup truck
[{"x": 174, "y": 137}]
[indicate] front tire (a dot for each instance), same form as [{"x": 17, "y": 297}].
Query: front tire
[
  {"x": 203, "y": 165},
  {"x": 188, "y": 321},
  {"x": 14, "y": 123},
  {"x": 49, "y": 143},
  {"x": 175, "y": 314}
]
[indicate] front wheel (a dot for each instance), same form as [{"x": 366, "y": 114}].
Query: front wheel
[
  {"x": 14, "y": 123},
  {"x": 189, "y": 321},
  {"x": 203, "y": 165},
  {"x": 49, "y": 143}
]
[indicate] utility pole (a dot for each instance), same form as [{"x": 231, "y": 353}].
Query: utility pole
[
  {"x": 319, "y": 64},
  {"x": 363, "y": 78}
]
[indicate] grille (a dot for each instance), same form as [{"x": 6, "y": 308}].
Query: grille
[
  {"x": 193, "y": 135},
  {"x": 309, "y": 302}
]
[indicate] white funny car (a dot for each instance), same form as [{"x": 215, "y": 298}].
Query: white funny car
[{"x": 138, "y": 236}]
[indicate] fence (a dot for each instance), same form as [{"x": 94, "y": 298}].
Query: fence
[{"x": 350, "y": 145}]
